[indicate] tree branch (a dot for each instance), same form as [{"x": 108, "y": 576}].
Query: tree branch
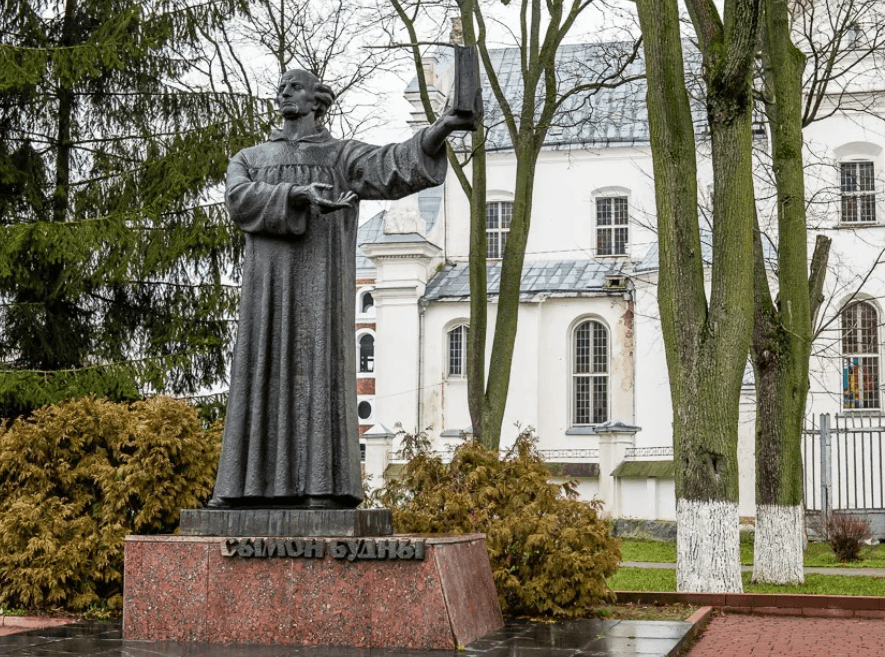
[{"x": 817, "y": 274}]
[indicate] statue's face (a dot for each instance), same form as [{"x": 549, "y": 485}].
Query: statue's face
[{"x": 296, "y": 97}]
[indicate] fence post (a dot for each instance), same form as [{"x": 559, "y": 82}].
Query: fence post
[{"x": 826, "y": 473}]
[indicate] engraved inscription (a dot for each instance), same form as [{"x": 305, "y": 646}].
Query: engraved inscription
[{"x": 342, "y": 549}]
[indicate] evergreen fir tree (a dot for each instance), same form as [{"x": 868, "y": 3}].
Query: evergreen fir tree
[{"x": 114, "y": 248}]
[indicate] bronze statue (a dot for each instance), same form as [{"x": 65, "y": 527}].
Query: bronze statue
[{"x": 290, "y": 437}]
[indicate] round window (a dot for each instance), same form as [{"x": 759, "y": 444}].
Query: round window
[{"x": 364, "y": 410}]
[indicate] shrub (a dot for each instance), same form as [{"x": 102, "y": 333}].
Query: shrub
[
  {"x": 550, "y": 553},
  {"x": 77, "y": 477},
  {"x": 844, "y": 533}
]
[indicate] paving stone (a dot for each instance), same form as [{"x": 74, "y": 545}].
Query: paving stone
[
  {"x": 737, "y": 635},
  {"x": 572, "y": 638}
]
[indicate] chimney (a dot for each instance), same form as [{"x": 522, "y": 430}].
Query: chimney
[{"x": 456, "y": 36}]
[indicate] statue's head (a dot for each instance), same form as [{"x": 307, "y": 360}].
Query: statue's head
[{"x": 301, "y": 92}]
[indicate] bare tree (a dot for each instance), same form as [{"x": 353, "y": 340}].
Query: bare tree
[
  {"x": 333, "y": 39},
  {"x": 817, "y": 59},
  {"x": 549, "y": 89},
  {"x": 706, "y": 339}
]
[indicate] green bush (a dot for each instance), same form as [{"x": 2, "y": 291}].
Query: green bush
[
  {"x": 77, "y": 477},
  {"x": 550, "y": 553}
]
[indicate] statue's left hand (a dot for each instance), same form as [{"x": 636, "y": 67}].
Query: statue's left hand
[
  {"x": 346, "y": 200},
  {"x": 314, "y": 195},
  {"x": 448, "y": 122}
]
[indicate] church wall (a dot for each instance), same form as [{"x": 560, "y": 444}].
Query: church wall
[
  {"x": 563, "y": 228},
  {"x": 563, "y": 213}
]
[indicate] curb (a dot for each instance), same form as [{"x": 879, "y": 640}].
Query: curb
[
  {"x": 781, "y": 604},
  {"x": 34, "y": 622},
  {"x": 810, "y": 570},
  {"x": 698, "y": 620}
]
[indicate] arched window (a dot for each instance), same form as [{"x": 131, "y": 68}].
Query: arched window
[
  {"x": 367, "y": 303},
  {"x": 860, "y": 356},
  {"x": 367, "y": 353},
  {"x": 590, "y": 373},
  {"x": 457, "y": 351}
]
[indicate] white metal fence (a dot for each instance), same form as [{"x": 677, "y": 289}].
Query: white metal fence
[{"x": 844, "y": 465}]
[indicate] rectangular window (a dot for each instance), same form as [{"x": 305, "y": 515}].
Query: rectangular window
[
  {"x": 858, "y": 186},
  {"x": 498, "y": 216},
  {"x": 860, "y": 382},
  {"x": 611, "y": 226},
  {"x": 860, "y": 356}
]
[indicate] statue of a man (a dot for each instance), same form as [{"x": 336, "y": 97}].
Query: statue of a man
[{"x": 290, "y": 437}]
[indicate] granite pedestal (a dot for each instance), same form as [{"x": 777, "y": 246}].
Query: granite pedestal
[
  {"x": 396, "y": 591},
  {"x": 286, "y": 522}
]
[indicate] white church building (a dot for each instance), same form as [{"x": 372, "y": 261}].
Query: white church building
[{"x": 589, "y": 372}]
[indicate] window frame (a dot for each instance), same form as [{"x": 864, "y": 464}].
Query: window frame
[
  {"x": 589, "y": 420},
  {"x": 360, "y": 297},
  {"x": 368, "y": 399},
  {"x": 859, "y": 401},
  {"x": 463, "y": 330},
  {"x": 864, "y": 200},
  {"x": 498, "y": 231},
  {"x": 359, "y": 356},
  {"x": 619, "y": 222}
]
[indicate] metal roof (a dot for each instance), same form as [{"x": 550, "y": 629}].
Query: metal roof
[
  {"x": 555, "y": 278},
  {"x": 372, "y": 231},
  {"x": 368, "y": 233},
  {"x": 649, "y": 262},
  {"x": 615, "y": 116}
]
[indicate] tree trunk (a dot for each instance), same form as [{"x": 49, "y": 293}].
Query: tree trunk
[
  {"x": 706, "y": 344},
  {"x": 782, "y": 333},
  {"x": 477, "y": 401},
  {"x": 508, "y": 296}
]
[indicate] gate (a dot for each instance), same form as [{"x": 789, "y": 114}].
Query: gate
[{"x": 844, "y": 467}]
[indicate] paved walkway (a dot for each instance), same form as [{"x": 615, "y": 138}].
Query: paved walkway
[
  {"x": 835, "y": 570},
  {"x": 737, "y": 635},
  {"x": 575, "y": 638}
]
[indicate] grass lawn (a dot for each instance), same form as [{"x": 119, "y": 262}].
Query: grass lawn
[
  {"x": 818, "y": 555},
  {"x": 647, "y": 579}
]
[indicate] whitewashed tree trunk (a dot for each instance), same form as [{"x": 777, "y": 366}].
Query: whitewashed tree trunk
[
  {"x": 779, "y": 544},
  {"x": 702, "y": 565}
]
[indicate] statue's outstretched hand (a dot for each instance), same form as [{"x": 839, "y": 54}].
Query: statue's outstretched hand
[
  {"x": 314, "y": 195},
  {"x": 345, "y": 200}
]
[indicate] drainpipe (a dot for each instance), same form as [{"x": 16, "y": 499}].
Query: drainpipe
[
  {"x": 630, "y": 302},
  {"x": 422, "y": 309}
]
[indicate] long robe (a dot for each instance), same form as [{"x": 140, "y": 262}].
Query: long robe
[{"x": 291, "y": 426}]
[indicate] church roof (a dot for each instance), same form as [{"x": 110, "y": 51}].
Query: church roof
[
  {"x": 368, "y": 233},
  {"x": 372, "y": 231},
  {"x": 554, "y": 278},
  {"x": 650, "y": 263},
  {"x": 615, "y": 116}
]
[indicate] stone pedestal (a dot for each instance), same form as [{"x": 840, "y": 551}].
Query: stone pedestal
[
  {"x": 395, "y": 591},
  {"x": 286, "y": 522}
]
